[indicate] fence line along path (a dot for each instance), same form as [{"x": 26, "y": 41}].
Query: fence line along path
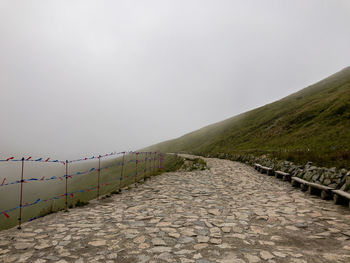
[
  {"x": 150, "y": 162},
  {"x": 229, "y": 213}
]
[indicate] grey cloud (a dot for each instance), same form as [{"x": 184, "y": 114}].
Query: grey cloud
[{"x": 88, "y": 77}]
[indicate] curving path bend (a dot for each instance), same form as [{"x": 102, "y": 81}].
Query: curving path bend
[{"x": 229, "y": 213}]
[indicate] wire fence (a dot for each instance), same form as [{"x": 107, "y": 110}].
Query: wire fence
[{"x": 139, "y": 166}]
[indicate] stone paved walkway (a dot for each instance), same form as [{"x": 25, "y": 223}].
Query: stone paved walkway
[{"x": 229, "y": 213}]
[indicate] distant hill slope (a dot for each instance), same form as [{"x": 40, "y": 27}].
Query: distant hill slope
[{"x": 315, "y": 119}]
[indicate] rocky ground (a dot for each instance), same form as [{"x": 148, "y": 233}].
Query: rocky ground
[{"x": 229, "y": 213}]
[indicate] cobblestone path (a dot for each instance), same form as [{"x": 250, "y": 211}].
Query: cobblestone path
[{"x": 229, "y": 213}]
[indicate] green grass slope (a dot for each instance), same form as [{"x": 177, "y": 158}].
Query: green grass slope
[{"x": 312, "y": 124}]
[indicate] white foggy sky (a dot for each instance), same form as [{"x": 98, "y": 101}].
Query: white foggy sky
[{"x": 86, "y": 77}]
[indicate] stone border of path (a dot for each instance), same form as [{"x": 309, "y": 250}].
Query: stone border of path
[{"x": 326, "y": 192}]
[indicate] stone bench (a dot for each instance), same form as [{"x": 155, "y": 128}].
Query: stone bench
[
  {"x": 257, "y": 167},
  {"x": 340, "y": 197},
  {"x": 312, "y": 188},
  {"x": 266, "y": 170},
  {"x": 283, "y": 175}
]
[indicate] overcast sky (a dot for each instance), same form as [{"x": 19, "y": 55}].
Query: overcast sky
[{"x": 86, "y": 77}]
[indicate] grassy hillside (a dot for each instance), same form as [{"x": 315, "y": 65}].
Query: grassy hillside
[{"x": 312, "y": 124}]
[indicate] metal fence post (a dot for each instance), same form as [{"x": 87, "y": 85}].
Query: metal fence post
[
  {"x": 66, "y": 186},
  {"x": 98, "y": 174},
  {"x": 121, "y": 173},
  {"x": 136, "y": 163},
  {"x": 21, "y": 197}
]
